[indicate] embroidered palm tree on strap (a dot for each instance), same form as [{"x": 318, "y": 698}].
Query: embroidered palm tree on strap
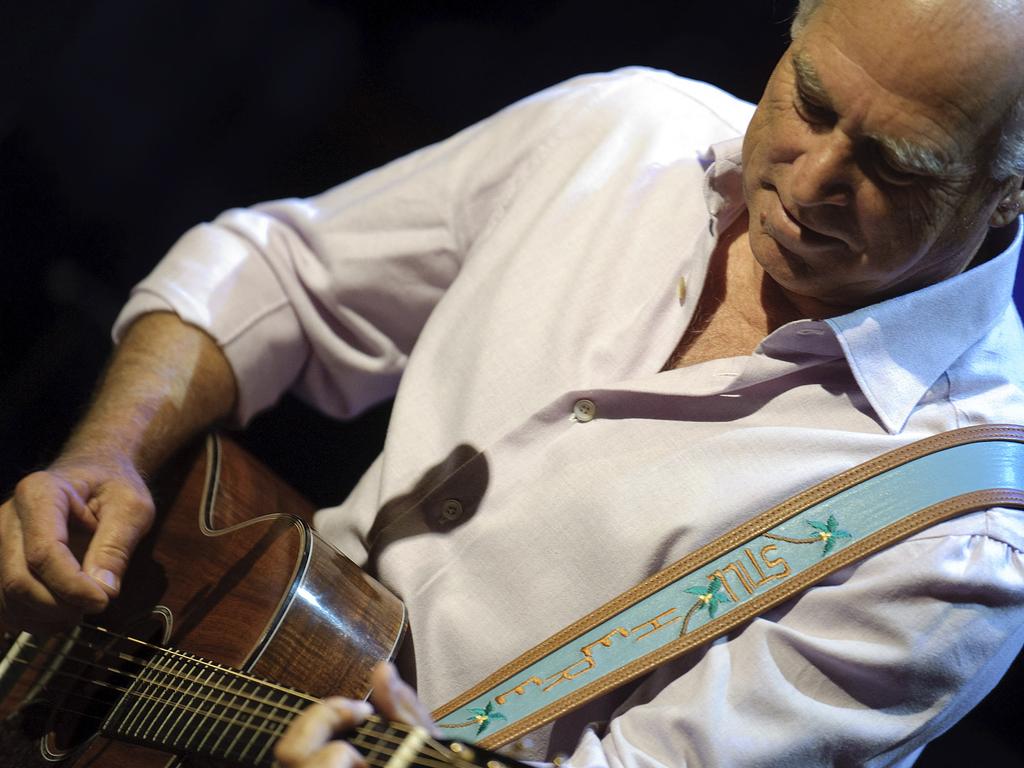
[
  {"x": 707, "y": 597},
  {"x": 481, "y": 718},
  {"x": 828, "y": 532}
]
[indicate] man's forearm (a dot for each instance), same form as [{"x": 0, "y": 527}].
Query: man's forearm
[{"x": 166, "y": 382}]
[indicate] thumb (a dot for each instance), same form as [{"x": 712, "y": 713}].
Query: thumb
[{"x": 121, "y": 521}]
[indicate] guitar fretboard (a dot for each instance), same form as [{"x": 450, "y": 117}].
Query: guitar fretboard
[{"x": 183, "y": 704}]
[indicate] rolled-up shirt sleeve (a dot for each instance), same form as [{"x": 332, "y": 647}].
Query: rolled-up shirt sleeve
[
  {"x": 328, "y": 294},
  {"x": 862, "y": 670}
]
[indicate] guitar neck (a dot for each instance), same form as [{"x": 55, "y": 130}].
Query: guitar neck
[{"x": 180, "y": 703}]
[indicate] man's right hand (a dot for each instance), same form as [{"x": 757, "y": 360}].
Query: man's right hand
[
  {"x": 43, "y": 585},
  {"x": 167, "y": 382}
]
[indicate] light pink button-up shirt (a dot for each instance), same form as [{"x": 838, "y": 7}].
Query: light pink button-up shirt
[{"x": 522, "y": 280}]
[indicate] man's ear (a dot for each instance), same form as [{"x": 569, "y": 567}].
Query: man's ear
[{"x": 1010, "y": 204}]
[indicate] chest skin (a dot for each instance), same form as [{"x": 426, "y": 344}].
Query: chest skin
[{"x": 735, "y": 310}]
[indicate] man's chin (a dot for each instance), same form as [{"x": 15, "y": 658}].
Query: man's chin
[
  {"x": 785, "y": 266},
  {"x": 795, "y": 280}
]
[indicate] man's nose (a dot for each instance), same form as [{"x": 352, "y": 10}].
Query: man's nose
[{"x": 823, "y": 174}]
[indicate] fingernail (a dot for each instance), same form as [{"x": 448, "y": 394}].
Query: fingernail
[
  {"x": 362, "y": 709},
  {"x": 105, "y": 577},
  {"x": 357, "y": 709}
]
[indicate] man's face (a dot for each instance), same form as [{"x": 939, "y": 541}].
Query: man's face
[{"x": 865, "y": 167}]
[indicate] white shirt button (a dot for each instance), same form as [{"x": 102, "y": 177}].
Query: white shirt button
[
  {"x": 584, "y": 410},
  {"x": 451, "y": 510}
]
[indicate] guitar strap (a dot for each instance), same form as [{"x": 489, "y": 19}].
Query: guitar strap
[{"x": 750, "y": 569}]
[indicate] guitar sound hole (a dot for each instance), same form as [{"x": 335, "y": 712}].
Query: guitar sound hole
[{"x": 93, "y": 670}]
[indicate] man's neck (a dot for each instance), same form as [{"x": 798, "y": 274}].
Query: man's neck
[{"x": 755, "y": 296}]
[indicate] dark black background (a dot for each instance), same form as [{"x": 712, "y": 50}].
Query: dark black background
[{"x": 122, "y": 123}]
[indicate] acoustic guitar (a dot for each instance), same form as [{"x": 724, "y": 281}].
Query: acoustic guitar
[{"x": 235, "y": 616}]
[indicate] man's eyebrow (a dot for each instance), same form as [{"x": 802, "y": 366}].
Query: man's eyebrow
[
  {"x": 807, "y": 80},
  {"x": 922, "y": 160}
]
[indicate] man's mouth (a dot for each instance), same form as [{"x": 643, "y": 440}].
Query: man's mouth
[{"x": 794, "y": 234}]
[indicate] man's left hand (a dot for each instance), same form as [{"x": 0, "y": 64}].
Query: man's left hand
[{"x": 314, "y": 739}]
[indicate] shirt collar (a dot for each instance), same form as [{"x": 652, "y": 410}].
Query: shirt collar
[
  {"x": 723, "y": 182},
  {"x": 898, "y": 348}
]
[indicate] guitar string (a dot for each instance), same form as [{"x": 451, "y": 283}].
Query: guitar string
[{"x": 360, "y": 731}]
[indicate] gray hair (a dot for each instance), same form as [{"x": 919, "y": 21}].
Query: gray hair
[{"x": 1009, "y": 157}]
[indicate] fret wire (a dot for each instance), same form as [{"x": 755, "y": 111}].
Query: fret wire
[
  {"x": 193, "y": 731},
  {"x": 270, "y": 741},
  {"x": 153, "y": 718},
  {"x": 207, "y": 732},
  {"x": 234, "y": 741},
  {"x": 232, "y": 720},
  {"x": 140, "y": 689},
  {"x": 195, "y": 686},
  {"x": 252, "y": 736},
  {"x": 173, "y": 700}
]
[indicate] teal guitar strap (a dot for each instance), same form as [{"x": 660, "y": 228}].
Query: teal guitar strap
[{"x": 749, "y": 570}]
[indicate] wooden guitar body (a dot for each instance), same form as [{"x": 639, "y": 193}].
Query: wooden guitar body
[{"x": 232, "y": 574}]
